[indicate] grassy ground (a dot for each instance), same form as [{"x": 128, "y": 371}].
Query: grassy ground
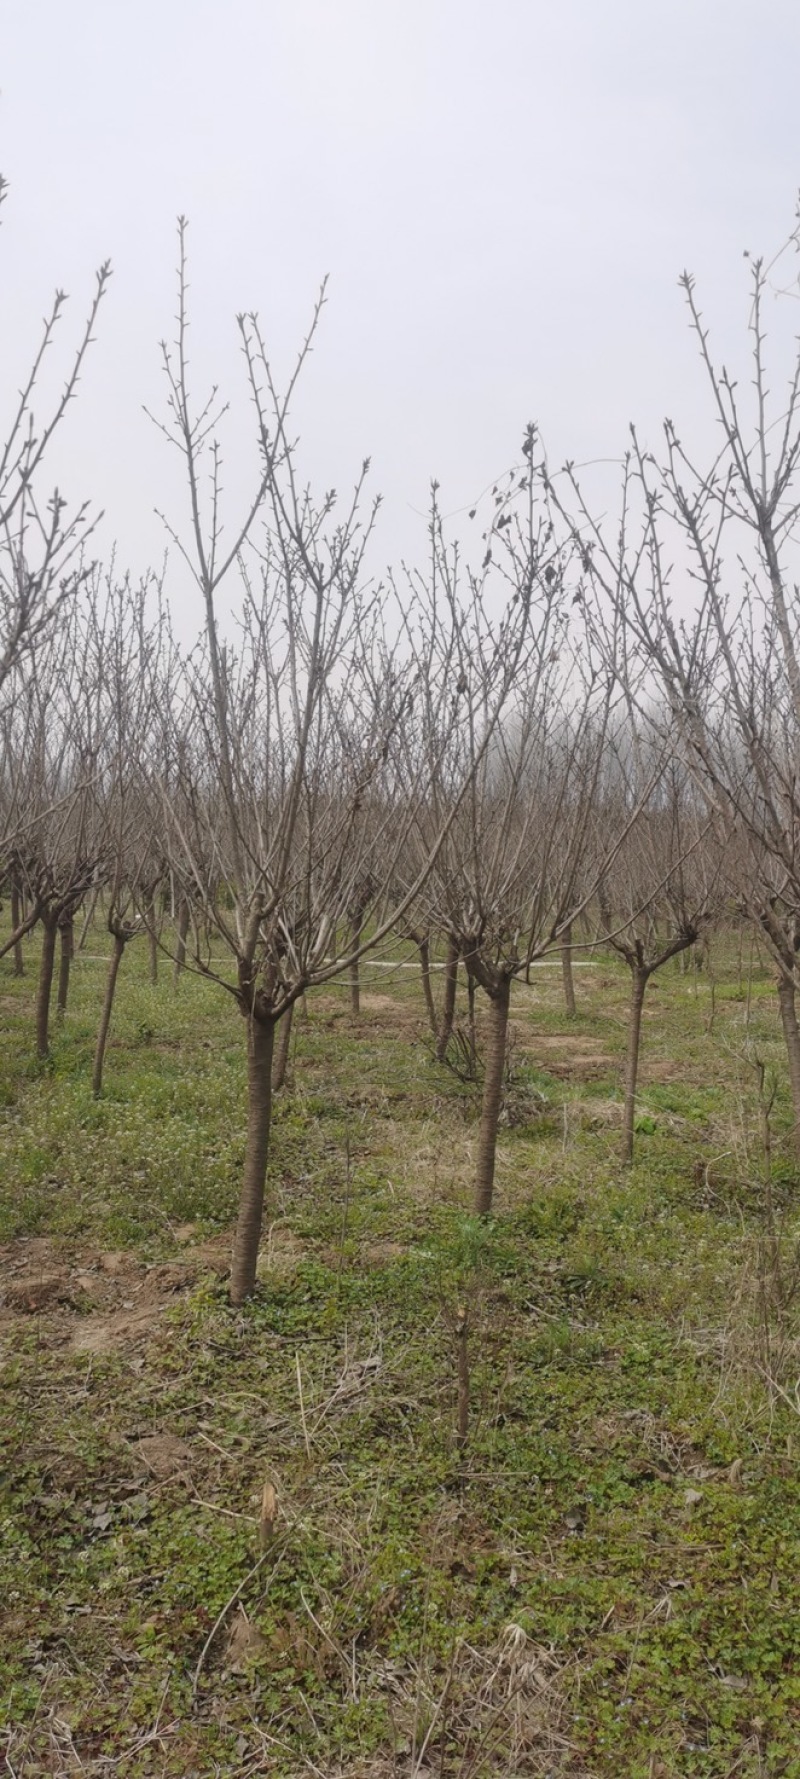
[{"x": 604, "y": 1582}]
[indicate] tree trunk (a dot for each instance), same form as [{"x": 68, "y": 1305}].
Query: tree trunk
[
  {"x": 449, "y": 1007},
  {"x": 566, "y": 972},
  {"x": 184, "y": 915},
  {"x": 791, "y": 1033},
  {"x": 640, "y": 977},
  {"x": 355, "y": 985},
  {"x": 425, "y": 961},
  {"x": 66, "y": 934},
  {"x": 16, "y": 921},
  {"x": 43, "y": 993},
  {"x": 151, "y": 921},
  {"x": 105, "y": 1018},
  {"x": 499, "y": 1004},
  {"x": 471, "y": 1029},
  {"x": 260, "y": 1044},
  {"x": 281, "y": 1058}
]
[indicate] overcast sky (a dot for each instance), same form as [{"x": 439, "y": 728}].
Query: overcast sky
[{"x": 503, "y": 196}]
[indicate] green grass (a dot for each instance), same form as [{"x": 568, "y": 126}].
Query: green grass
[{"x": 604, "y": 1583}]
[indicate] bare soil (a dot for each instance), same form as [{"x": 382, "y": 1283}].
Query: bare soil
[{"x": 92, "y": 1301}]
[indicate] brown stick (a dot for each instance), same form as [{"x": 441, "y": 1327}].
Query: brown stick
[
  {"x": 260, "y": 1044},
  {"x": 640, "y": 976},
  {"x": 449, "y": 1007},
  {"x": 66, "y": 934},
  {"x": 120, "y": 941},
  {"x": 16, "y": 921},
  {"x": 353, "y": 973},
  {"x": 184, "y": 916},
  {"x": 471, "y": 1028},
  {"x": 152, "y": 939},
  {"x": 497, "y": 1033},
  {"x": 425, "y": 963},
  {"x": 46, "y": 967},
  {"x": 791, "y": 1034},
  {"x": 281, "y": 1058},
  {"x": 566, "y": 972}
]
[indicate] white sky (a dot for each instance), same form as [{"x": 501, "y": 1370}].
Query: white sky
[{"x": 503, "y": 196}]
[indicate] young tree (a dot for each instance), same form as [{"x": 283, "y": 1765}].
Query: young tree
[
  {"x": 661, "y": 889},
  {"x": 41, "y": 545},
  {"x": 727, "y": 660},
  {"x": 129, "y": 675},
  {"x": 511, "y": 877},
  {"x": 294, "y": 795}
]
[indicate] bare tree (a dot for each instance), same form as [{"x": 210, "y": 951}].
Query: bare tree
[
  {"x": 41, "y": 544},
  {"x": 511, "y": 877},
  {"x": 662, "y": 888},
  {"x": 727, "y": 658},
  {"x": 130, "y": 677},
  {"x": 294, "y": 794}
]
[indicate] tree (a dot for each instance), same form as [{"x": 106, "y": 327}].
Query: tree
[
  {"x": 41, "y": 545},
  {"x": 727, "y": 662},
  {"x": 660, "y": 890},
  {"x": 126, "y": 674},
  {"x": 510, "y": 876},
  {"x": 49, "y": 759},
  {"x": 295, "y": 798}
]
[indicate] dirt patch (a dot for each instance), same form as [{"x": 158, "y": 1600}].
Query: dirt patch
[
  {"x": 382, "y": 1011},
  {"x": 88, "y": 1301},
  {"x": 32, "y": 1294},
  {"x": 661, "y": 1069},
  {"x": 106, "y": 1334},
  {"x": 570, "y": 1054},
  {"x": 165, "y": 1455}
]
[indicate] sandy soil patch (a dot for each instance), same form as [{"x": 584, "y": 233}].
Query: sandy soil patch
[{"x": 87, "y": 1300}]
